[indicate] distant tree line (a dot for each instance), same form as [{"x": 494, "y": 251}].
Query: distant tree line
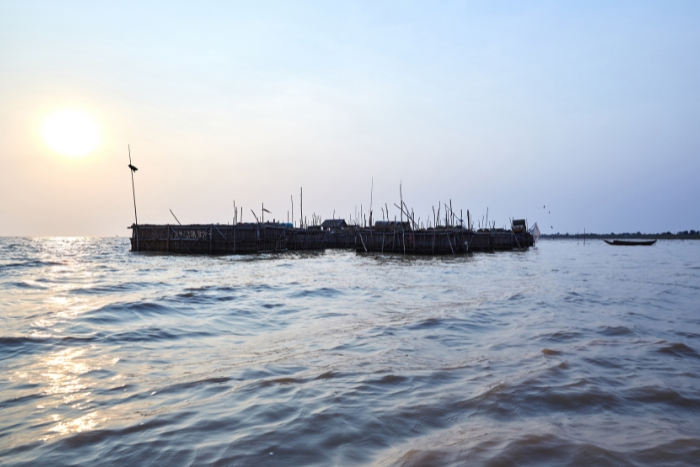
[{"x": 682, "y": 235}]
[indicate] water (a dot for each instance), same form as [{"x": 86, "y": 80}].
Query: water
[{"x": 563, "y": 355}]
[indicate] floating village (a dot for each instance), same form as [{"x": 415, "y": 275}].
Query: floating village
[
  {"x": 446, "y": 234},
  {"x": 383, "y": 236}
]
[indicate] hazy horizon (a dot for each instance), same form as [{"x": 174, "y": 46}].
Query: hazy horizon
[{"x": 575, "y": 116}]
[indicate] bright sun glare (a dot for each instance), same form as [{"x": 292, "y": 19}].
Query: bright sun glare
[{"x": 71, "y": 132}]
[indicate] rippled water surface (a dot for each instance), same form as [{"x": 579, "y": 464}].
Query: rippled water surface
[{"x": 562, "y": 355}]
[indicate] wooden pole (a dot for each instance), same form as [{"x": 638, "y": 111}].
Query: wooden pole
[
  {"x": 178, "y": 221},
  {"x": 133, "y": 188},
  {"x": 452, "y": 214},
  {"x": 401, "y": 199},
  {"x": 371, "y": 198},
  {"x": 133, "y": 191}
]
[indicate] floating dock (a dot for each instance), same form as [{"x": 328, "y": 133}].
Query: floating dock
[
  {"x": 209, "y": 239},
  {"x": 448, "y": 236},
  {"x": 384, "y": 237},
  {"x": 447, "y": 241}
]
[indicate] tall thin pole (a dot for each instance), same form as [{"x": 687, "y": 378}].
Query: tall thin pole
[
  {"x": 133, "y": 189},
  {"x": 133, "y": 192},
  {"x": 401, "y": 198},
  {"x": 178, "y": 220},
  {"x": 371, "y": 198}
]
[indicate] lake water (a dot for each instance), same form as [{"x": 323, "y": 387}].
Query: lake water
[{"x": 562, "y": 355}]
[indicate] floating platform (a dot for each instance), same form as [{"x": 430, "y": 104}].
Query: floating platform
[
  {"x": 305, "y": 239},
  {"x": 446, "y": 241},
  {"x": 425, "y": 242},
  {"x": 214, "y": 239},
  {"x": 251, "y": 238}
]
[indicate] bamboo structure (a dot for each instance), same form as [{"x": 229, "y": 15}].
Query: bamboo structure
[
  {"x": 305, "y": 239},
  {"x": 241, "y": 238},
  {"x": 440, "y": 241},
  {"x": 384, "y": 237}
]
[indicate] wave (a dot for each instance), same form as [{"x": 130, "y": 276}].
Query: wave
[
  {"x": 21, "y": 341},
  {"x": 25, "y": 285},
  {"x": 154, "y": 334},
  {"x": 118, "y": 312},
  {"x": 30, "y": 264},
  {"x": 677, "y": 349},
  {"x": 114, "y": 288},
  {"x": 662, "y": 395},
  {"x": 615, "y": 331},
  {"x": 560, "y": 336},
  {"x": 549, "y": 450},
  {"x": 12, "y": 347},
  {"x": 322, "y": 292}
]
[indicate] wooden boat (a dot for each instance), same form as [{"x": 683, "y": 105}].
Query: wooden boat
[{"x": 630, "y": 242}]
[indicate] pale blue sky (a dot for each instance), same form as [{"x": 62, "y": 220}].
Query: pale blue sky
[{"x": 589, "y": 108}]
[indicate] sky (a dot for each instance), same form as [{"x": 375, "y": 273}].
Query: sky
[{"x": 574, "y": 115}]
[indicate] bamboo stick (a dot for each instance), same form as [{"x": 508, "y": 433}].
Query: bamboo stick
[
  {"x": 371, "y": 199},
  {"x": 401, "y": 198}
]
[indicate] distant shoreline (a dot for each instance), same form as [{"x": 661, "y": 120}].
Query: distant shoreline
[{"x": 594, "y": 236}]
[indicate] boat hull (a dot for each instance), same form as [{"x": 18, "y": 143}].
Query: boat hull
[{"x": 630, "y": 242}]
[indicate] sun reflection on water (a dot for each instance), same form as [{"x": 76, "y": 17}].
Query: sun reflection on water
[
  {"x": 59, "y": 283},
  {"x": 66, "y": 389},
  {"x": 85, "y": 423},
  {"x": 64, "y": 374}
]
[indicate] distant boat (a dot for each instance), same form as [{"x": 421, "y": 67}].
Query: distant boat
[{"x": 630, "y": 242}]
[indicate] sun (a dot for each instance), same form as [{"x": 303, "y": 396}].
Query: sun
[{"x": 71, "y": 132}]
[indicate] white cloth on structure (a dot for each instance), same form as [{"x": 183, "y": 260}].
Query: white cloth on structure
[{"x": 535, "y": 232}]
